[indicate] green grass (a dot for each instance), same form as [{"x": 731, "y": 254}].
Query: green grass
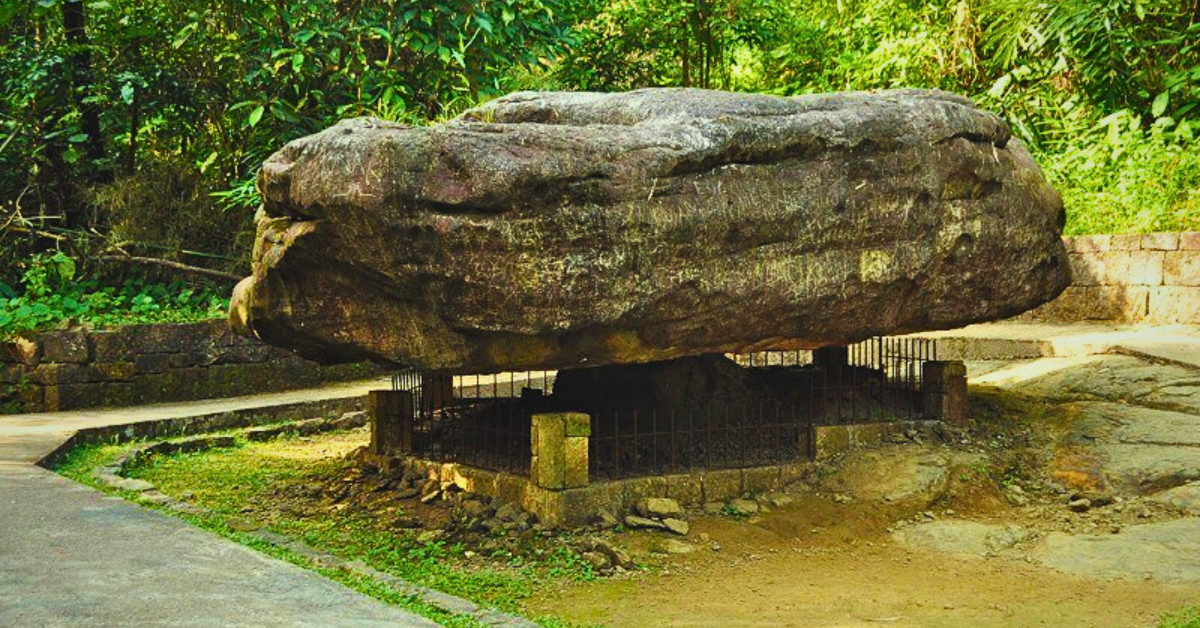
[
  {"x": 1188, "y": 617},
  {"x": 227, "y": 481}
]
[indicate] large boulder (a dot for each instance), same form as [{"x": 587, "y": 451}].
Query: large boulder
[{"x": 549, "y": 230}]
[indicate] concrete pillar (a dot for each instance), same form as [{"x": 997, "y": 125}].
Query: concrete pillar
[
  {"x": 944, "y": 391},
  {"x": 391, "y": 413},
  {"x": 831, "y": 357},
  {"x": 560, "y": 450}
]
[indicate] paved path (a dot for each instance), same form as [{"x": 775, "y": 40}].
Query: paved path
[{"x": 71, "y": 556}]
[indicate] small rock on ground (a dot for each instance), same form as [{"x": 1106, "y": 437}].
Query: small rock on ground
[
  {"x": 635, "y": 521},
  {"x": 659, "y": 507},
  {"x": 678, "y": 526},
  {"x": 743, "y": 507}
]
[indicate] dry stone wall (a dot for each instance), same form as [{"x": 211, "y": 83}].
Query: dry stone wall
[
  {"x": 140, "y": 364},
  {"x": 1137, "y": 278}
]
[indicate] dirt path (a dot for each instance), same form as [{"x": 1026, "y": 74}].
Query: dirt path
[{"x": 777, "y": 573}]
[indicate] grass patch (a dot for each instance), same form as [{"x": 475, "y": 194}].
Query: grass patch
[
  {"x": 1188, "y": 617},
  {"x": 260, "y": 481}
]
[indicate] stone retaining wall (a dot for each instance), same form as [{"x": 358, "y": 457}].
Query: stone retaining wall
[
  {"x": 141, "y": 364},
  {"x": 1147, "y": 278}
]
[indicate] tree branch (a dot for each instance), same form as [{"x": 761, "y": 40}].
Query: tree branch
[{"x": 154, "y": 261}]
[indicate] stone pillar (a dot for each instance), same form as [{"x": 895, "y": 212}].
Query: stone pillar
[
  {"x": 831, "y": 357},
  {"x": 391, "y": 413},
  {"x": 944, "y": 391},
  {"x": 437, "y": 391},
  {"x": 560, "y": 450}
]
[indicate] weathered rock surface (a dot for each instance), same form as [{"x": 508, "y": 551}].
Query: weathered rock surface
[
  {"x": 1166, "y": 552},
  {"x": 568, "y": 229},
  {"x": 964, "y": 537},
  {"x": 1185, "y": 498}
]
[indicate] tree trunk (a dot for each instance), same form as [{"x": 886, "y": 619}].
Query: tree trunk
[{"x": 75, "y": 25}]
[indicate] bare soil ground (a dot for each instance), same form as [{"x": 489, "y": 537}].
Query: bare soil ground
[{"x": 817, "y": 564}]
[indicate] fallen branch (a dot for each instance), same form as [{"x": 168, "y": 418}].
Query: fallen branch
[{"x": 154, "y": 261}]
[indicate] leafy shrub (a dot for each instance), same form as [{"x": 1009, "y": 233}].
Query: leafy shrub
[
  {"x": 50, "y": 294},
  {"x": 168, "y": 206},
  {"x": 1124, "y": 178}
]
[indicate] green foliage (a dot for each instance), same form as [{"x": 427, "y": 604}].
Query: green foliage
[
  {"x": 149, "y": 120},
  {"x": 1129, "y": 179},
  {"x": 625, "y": 44},
  {"x": 1183, "y": 618},
  {"x": 222, "y": 86},
  {"x": 1104, "y": 92},
  {"x": 49, "y": 293}
]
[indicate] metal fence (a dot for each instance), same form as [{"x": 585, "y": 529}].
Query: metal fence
[{"x": 485, "y": 420}]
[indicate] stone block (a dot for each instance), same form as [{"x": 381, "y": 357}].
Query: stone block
[
  {"x": 867, "y": 434},
  {"x": 576, "y": 461},
  {"x": 59, "y": 373},
  {"x": 151, "y": 363},
  {"x": 685, "y": 488},
  {"x": 1133, "y": 268},
  {"x": 722, "y": 484},
  {"x": 1168, "y": 241},
  {"x": 239, "y": 354},
  {"x": 510, "y": 488},
  {"x": 580, "y": 506},
  {"x": 31, "y": 397},
  {"x": 830, "y": 441},
  {"x": 1189, "y": 241},
  {"x": 1086, "y": 269},
  {"x": 634, "y": 490},
  {"x": 546, "y": 504},
  {"x": 1097, "y": 303},
  {"x": 110, "y": 346},
  {"x": 160, "y": 337},
  {"x": 70, "y": 396},
  {"x": 190, "y": 358},
  {"x": 549, "y": 455},
  {"x": 8, "y": 353},
  {"x": 189, "y": 383},
  {"x": 1090, "y": 243},
  {"x": 793, "y": 472},
  {"x": 391, "y": 415},
  {"x": 577, "y": 424},
  {"x": 69, "y": 345},
  {"x": 1125, "y": 242},
  {"x": 1182, "y": 268},
  {"x": 760, "y": 479},
  {"x": 1171, "y": 305},
  {"x": 944, "y": 389},
  {"x": 11, "y": 373},
  {"x": 111, "y": 371}
]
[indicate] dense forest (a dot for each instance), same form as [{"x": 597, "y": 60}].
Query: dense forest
[{"x": 131, "y": 130}]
